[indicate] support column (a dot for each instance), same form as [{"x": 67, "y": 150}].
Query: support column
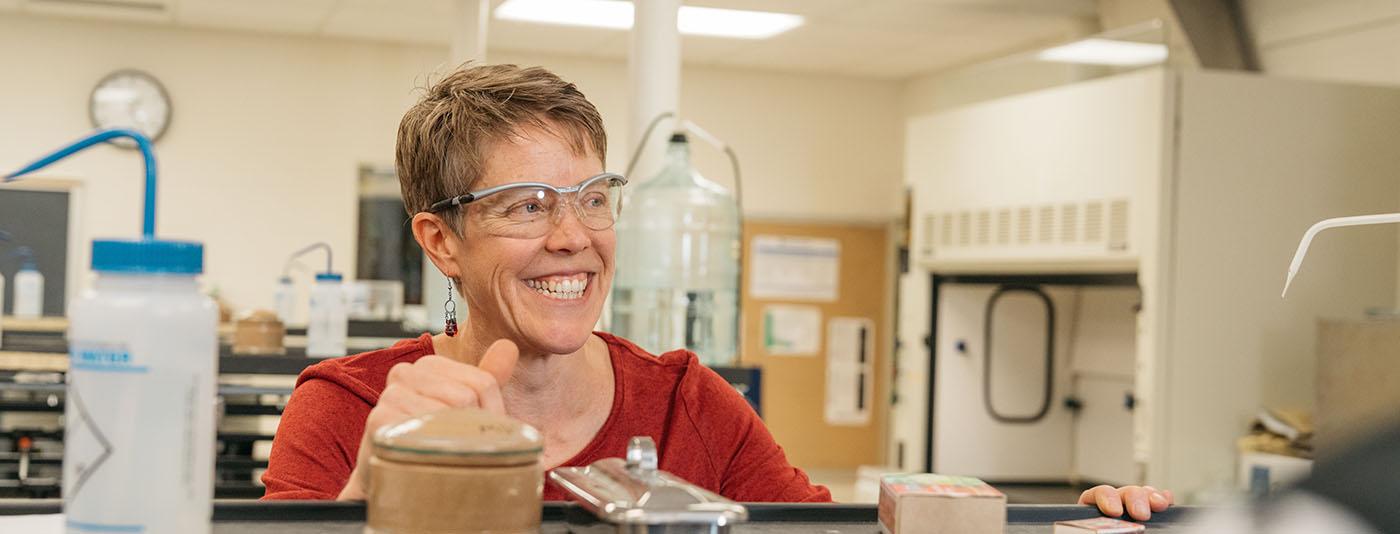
[
  {"x": 654, "y": 69},
  {"x": 469, "y": 22},
  {"x": 469, "y": 18}
]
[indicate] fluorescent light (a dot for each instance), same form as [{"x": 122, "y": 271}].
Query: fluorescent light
[
  {"x": 593, "y": 13},
  {"x": 617, "y": 15},
  {"x": 1106, "y": 52},
  {"x": 735, "y": 23}
]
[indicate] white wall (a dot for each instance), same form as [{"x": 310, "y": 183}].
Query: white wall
[
  {"x": 268, "y": 132},
  {"x": 262, "y": 151},
  {"x": 1257, "y": 160},
  {"x": 1343, "y": 40},
  {"x": 941, "y": 91},
  {"x": 811, "y": 147}
]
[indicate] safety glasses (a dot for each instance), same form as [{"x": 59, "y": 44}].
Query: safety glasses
[{"x": 532, "y": 209}]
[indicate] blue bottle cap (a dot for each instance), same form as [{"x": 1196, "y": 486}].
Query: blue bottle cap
[
  {"x": 147, "y": 256},
  {"x": 28, "y": 263},
  {"x": 328, "y": 277}
]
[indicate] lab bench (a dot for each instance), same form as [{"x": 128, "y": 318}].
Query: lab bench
[
  {"x": 320, "y": 517},
  {"x": 32, "y": 366}
]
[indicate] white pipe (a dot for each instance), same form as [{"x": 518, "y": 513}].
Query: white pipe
[
  {"x": 470, "y": 19},
  {"x": 1359, "y": 220},
  {"x": 469, "y": 22},
  {"x": 703, "y": 134},
  {"x": 654, "y": 70}
]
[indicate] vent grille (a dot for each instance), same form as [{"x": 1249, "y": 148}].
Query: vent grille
[
  {"x": 984, "y": 227},
  {"x": 1024, "y": 226},
  {"x": 1092, "y": 225},
  {"x": 1004, "y": 227},
  {"x": 1118, "y": 225},
  {"x": 1047, "y": 224},
  {"x": 946, "y": 237},
  {"x": 927, "y": 242},
  {"x": 965, "y": 229},
  {"x": 1069, "y": 223},
  {"x": 1093, "y": 222}
]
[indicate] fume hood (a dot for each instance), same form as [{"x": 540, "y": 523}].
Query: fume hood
[{"x": 1117, "y": 243}]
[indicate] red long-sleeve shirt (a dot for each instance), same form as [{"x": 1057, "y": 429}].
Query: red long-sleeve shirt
[{"x": 704, "y": 430}]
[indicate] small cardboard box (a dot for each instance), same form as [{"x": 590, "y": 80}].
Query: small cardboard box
[
  {"x": 940, "y": 504},
  {"x": 1098, "y": 525}
]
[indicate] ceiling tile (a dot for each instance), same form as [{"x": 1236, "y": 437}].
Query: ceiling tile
[
  {"x": 806, "y": 8},
  {"x": 963, "y": 49},
  {"x": 549, "y": 38},
  {"x": 710, "y": 49},
  {"x": 980, "y": 39},
  {"x": 914, "y": 17},
  {"x": 692, "y": 52},
  {"x": 906, "y": 63},
  {"x": 1272, "y": 21},
  {"x": 153, "y": 11},
  {"x": 814, "y": 45},
  {"x": 417, "y": 21},
  {"x": 617, "y": 46},
  {"x": 877, "y": 71},
  {"x": 936, "y": 17},
  {"x": 869, "y": 38},
  {"x": 284, "y": 16}
]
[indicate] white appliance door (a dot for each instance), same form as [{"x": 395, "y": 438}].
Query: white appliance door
[
  {"x": 1012, "y": 432},
  {"x": 1103, "y": 322},
  {"x": 909, "y": 413}
]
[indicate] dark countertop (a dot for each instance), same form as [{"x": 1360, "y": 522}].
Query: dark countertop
[{"x": 302, "y": 517}]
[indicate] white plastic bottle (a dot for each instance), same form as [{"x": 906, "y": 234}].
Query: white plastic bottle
[
  {"x": 285, "y": 299},
  {"x": 326, "y": 318},
  {"x": 29, "y": 291},
  {"x": 139, "y": 416},
  {"x": 2, "y": 311},
  {"x": 4, "y": 237}
]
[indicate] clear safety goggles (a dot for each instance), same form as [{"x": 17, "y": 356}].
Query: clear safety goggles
[{"x": 531, "y": 209}]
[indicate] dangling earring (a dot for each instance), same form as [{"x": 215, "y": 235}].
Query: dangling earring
[{"x": 450, "y": 311}]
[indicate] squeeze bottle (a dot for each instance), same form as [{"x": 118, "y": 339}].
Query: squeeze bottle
[
  {"x": 29, "y": 287},
  {"x": 141, "y": 395},
  {"x": 326, "y": 321}
]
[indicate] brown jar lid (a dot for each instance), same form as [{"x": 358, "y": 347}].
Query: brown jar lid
[
  {"x": 259, "y": 316},
  {"x": 460, "y": 436}
]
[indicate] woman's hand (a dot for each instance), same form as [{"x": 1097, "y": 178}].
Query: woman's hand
[
  {"x": 430, "y": 384},
  {"x": 1140, "y": 501}
]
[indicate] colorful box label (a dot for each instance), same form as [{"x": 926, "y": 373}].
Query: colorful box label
[{"x": 938, "y": 485}]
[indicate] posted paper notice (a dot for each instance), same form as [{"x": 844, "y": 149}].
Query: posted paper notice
[
  {"x": 850, "y": 370},
  {"x": 790, "y": 330},
  {"x": 795, "y": 268}
]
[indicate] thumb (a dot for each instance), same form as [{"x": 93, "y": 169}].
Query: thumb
[{"x": 499, "y": 360}]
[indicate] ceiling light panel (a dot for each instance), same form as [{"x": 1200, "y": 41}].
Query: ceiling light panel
[
  {"x": 1106, "y": 52},
  {"x": 617, "y": 15}
]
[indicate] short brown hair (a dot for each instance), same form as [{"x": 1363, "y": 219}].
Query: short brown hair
[{"x": 442, "y": 137}]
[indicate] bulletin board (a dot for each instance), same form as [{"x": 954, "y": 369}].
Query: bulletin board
[{"x": 795, "y": 374}]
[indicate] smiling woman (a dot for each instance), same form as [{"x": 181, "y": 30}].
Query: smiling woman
[{"x": 502, "y": 169}]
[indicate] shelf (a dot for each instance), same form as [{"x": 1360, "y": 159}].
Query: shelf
[
  {"x": 7, "y": 458},
  {"x": 43, "y": 407}
]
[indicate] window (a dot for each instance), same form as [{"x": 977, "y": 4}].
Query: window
[{"x": 386, "y": 249}]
